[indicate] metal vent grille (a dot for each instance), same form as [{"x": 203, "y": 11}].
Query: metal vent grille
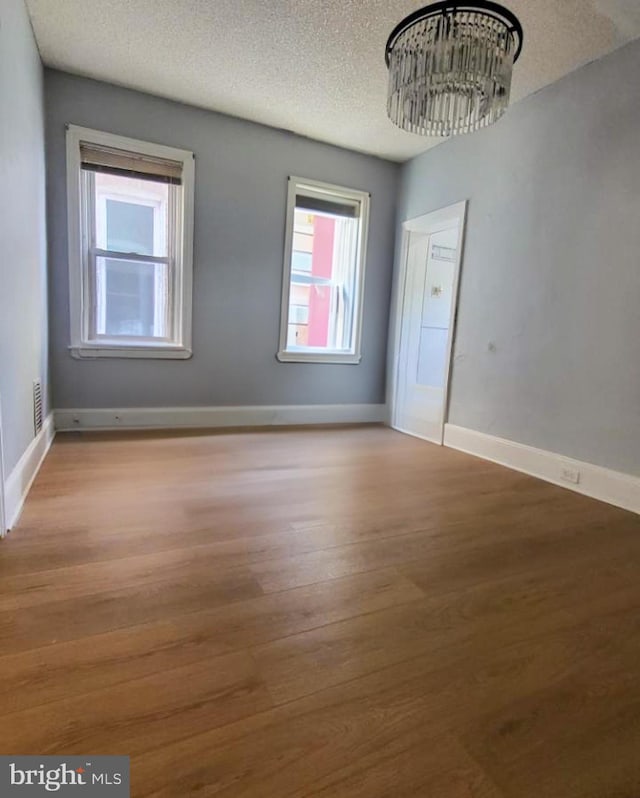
[{"x": 37, "y": 406}]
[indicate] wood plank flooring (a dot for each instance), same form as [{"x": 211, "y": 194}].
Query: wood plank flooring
[{"x": 346, "y": 613}]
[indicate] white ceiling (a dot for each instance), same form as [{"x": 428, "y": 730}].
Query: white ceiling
[{"x": 312, "y": 66}]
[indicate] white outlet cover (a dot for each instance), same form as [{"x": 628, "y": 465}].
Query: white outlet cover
[{"x": 570, "y": 474}]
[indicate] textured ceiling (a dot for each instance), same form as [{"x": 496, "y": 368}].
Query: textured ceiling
[{"x": 312, "y": 66}]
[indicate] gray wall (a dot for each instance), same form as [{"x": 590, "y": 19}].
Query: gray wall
[
  {"x": 241, "y": 184},
  {"x": 23, "y": 274},
  {"x": 551, "y": 270}
]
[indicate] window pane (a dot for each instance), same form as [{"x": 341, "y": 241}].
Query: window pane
[
  {"x": 322, "y": 293},
  {"x": 129, "y": 227},
  {"x": 301, "y": 261},
  {"x": 131, "y": 298},
  {"x": 303, "y": 242},
  {"x": 131, "y": 214}
]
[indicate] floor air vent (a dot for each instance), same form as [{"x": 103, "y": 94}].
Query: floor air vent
[{"x": 37, "y": 406}]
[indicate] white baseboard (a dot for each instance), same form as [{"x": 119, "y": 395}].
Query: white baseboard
[
  {"x": 613, "y": 487},
  {"x": 184, "y": 417},
  {"x": 21, "y": 478}
]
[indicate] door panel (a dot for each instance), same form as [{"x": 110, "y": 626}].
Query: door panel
[{"x": 432, "y": 357}]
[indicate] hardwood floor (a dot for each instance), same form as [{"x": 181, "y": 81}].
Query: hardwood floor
[{"x": 340, "y": 612}]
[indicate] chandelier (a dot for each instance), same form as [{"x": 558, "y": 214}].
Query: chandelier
[{"x": 450, "y": 67}]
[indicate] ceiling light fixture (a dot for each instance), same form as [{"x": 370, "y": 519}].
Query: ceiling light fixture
[{"x": 450, "y": 67}]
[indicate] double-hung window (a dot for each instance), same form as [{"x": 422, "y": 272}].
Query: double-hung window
[
  {"x": 130, "y": 208},
  {"x": 323, "y": 282}
]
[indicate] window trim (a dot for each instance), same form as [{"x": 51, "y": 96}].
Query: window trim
[
  {"x": 81, "y": 346},
  {"x": 354, "y": 356}
]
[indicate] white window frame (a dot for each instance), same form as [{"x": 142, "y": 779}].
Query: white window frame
[
  {"x": 82, "y": 344},
  {"x": 324, "y": 355}
]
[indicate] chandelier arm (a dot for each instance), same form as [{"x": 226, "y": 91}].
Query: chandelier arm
[{"x": 494, "y": 10}]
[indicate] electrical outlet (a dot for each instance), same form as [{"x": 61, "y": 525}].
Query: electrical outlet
[{"x": 569, "y": 474}]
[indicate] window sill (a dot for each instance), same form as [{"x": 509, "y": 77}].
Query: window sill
[
  {"x": 151, "y": 352},
  {"x": 318, "y": 357}
]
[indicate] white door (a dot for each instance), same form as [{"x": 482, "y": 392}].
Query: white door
[{"x": 433, "y": 247}]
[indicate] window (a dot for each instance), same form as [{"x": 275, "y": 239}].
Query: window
[
  {"x": 130, "y": 210},
  {"x": 323, "y": 273}
]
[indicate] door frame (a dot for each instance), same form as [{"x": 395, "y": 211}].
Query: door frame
[
  {"x": 427, "y": 224},
  {"x": 3, "y": 504}
]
